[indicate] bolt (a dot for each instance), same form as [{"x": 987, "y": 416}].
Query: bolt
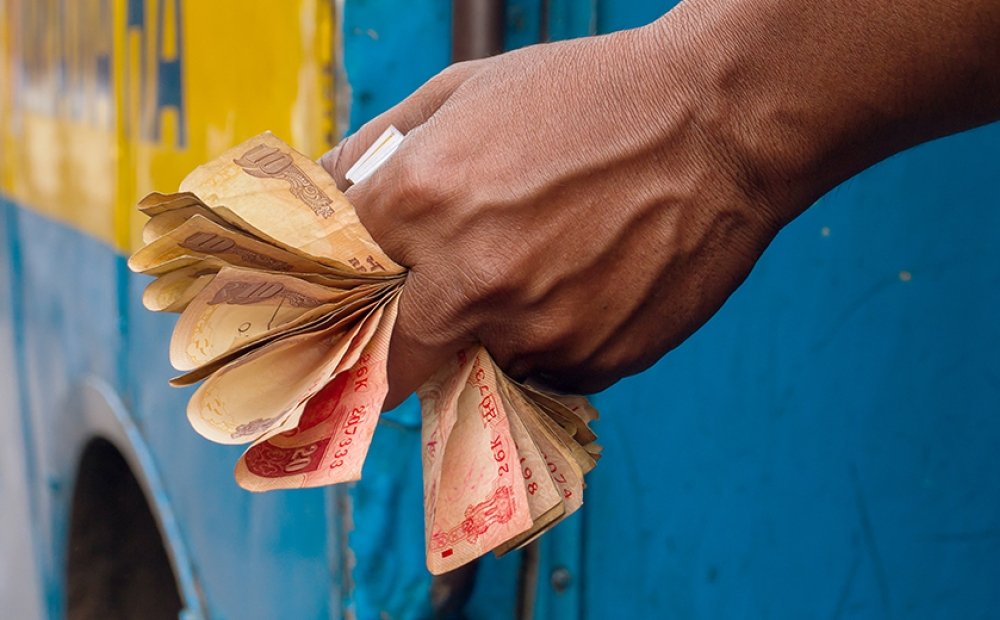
[{"x": 561, "y": 579}]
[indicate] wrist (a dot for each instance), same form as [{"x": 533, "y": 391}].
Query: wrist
[
  {"x": 790, "y": 127},
  {"x": 703, "y": 73},
  {"x": 804, "y": 95}
]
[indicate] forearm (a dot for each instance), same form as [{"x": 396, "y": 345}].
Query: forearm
[{"x": 806, "y": 94}]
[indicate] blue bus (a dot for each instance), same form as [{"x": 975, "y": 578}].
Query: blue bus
[{"x": 826, "y": 447}]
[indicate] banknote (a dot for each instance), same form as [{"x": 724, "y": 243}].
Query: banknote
[
  {"x": 289, "y": 199},
  {"x": 331, "y": 438},
  {"x": 481, "y": 500},
  {"x": 287, "y": 309}
]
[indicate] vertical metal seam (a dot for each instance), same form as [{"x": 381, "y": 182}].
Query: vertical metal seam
[
  {"x": 124, "y": 191},
  {"x": 339, "y": 501},
  {"x": 477, "y": 28},
  {"x": 341, "y": 91}
]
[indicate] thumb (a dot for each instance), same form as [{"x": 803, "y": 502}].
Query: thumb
[
  {"x": 421, "y": 344},
  {"x": 404, "y": 116}
]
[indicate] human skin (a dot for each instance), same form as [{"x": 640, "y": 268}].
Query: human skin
[{"x": 582, "y": 207}]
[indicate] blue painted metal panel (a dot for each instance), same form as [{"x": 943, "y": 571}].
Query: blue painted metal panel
[
  {"x": 69, "y": 330},
  {"x": 256, "y": 555},
  {"x": 523, "y": 23},
  {"x": 391, "y": 48},
  {"x": 612, "y": 16},
  {"x": 535, "y": 21},
  {"x": 826, "y": 446},
  {"x": 20, "y": 580},
  {"x": 568, "y": 19}
]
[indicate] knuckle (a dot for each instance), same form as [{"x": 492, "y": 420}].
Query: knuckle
[
  {"x": 528, "y": 347},
  {"x": 553, "y": 338},
  {"x": 612, "y": 361},
  {"x": 573, "y": 360},
  {"x": 461, "y": 71},
  {"x": 416, "y": 185},
  {"x": 442, "y": 85},
  {"x": 482, "y": 276},
  {"x": 436, "y": 310},
  {"x": 423, "y": 329},
  {"x": 448, "y": 76}
]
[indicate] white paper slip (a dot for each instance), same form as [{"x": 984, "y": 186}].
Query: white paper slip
[{"x": 376, "y": 155}]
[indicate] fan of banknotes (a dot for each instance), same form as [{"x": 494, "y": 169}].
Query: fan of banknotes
[{"x": 286, "y": 309}]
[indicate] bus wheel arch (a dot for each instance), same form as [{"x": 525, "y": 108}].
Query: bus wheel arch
[
  {"x": 125, "y": 556},
  {"x": 117, "y": 564}
]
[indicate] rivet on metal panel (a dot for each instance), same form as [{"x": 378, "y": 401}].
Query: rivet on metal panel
[{"x": 561, "y": 579}]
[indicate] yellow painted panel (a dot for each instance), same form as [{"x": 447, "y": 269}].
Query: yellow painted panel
[
  {"x": 57, "y": 131},
  {"x": 5, "y": 94},
  {"x": 94, "y": 117}
]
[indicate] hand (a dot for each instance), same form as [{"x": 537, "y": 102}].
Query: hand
[
  {"x": 550, "y": 206},
  {"x": 582, "y": 207}
]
